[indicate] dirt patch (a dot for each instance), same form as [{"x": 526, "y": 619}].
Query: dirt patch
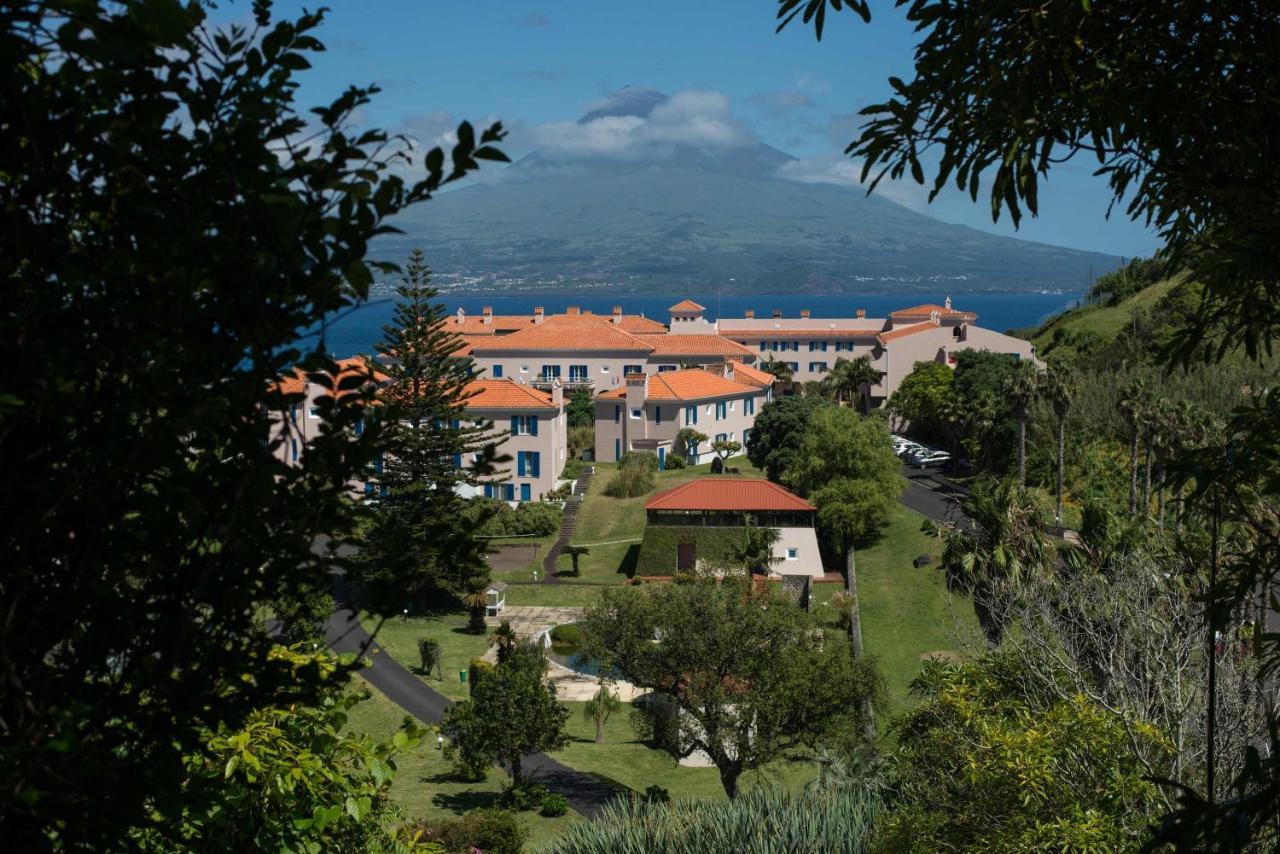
[{"x": 511, "y": 557}]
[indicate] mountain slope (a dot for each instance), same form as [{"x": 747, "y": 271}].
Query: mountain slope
[{"x": 688, "y": 218}]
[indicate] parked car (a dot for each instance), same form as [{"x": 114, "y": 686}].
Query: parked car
[{"x": 934, "y": 458}]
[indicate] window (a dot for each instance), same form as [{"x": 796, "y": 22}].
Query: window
[
  {"x": 746, "y": 437},
  {"x": 550, "y": 372},
  {"x": 604, "y": 369},
  {"x": 526, "y": 492},
  {"x": 662, "y": 369},
  {"x": 497, "y": 372},
  {"x": 690, "y": 415},
  {"x": 721, "y": 437},
  {"x": 817, "y": 346},
  {"x": 293, "y": 448},
  {"x": 313, "y": 412},
  {"x": 637, "y": 414},
  {"x": 818, "y": 367},
  {"x": 524, "y": 425},
  {"x": 722, "y": 410},
  {"x": 577, "y": 373},
  {"x": 528, "y": 463},
  {"x": 732, "y": 405},
  {"x": 793, "y": 554},
  {"x": 632, "y": 369},
  {"x": 749, "y": 405},
  {"x": 764, "y": 345},
  {"x": 524, "y": 369},
  {"x": 509, "y": 492},
  {"x": 794, "y": 366},
  {"x": 488, "y": 490},
  {"x": 657, "y": 415},
  {"x": 617, "y": 413}
]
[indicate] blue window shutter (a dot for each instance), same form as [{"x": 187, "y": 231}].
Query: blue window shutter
[
  {"x": 535, "y": 460},
  {"x": 520, "y": 463},
  {"x": 533, "y": 425},
  {"x": 368, "y": 488},
  {"x": 617, "y": 414},
  {"x": 457, "y": 461},
  {"x": 488, "y": 490},
  {"x": 515, "y": 425},
  {"x": 526, "y": 492},
  {"x": 764, "y": 346},
  {"x": 454, "y": 424},
  {"x": 497, "y": 372},
  {"x": 617, "y": 449},
  {"x": 509, "y": 491},
  {"x": 657, "y": 415}
]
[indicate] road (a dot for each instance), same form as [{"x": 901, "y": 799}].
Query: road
[{"x": 930, "y": 497}]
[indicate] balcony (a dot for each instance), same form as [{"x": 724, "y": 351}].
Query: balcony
[{"x": 575, "y": 382}]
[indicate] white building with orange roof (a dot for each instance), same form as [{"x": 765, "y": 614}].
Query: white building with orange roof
[
  {"x": 649, "y": 411},
  {"x": 302, "y": 420},
  {"x": 530, "y": 426}
]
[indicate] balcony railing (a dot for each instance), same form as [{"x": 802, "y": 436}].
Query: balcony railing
[{"x": 544, "y": 382}]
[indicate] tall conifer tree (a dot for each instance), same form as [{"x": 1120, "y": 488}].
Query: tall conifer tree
[{"x": 422, "y": 544}]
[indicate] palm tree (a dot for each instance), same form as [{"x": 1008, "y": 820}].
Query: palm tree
[
  {"x": 999, "y": 544},
  {"x": 1059, "y": 387},
  {"x": 755, "y": 550},
  {"x": 781, "y": 370},
  {"x": 1133, "y": 403},
  {"x": 601, "y": 706},
  {"x": 855, "y": 377},
  {"x": 476, "y": 602},
  {"x": 951, "y": 415},
  {"x": 575, "y": 552},
  {"x": 1023, "y": 387},
  {"x": 504, "y": 638}
]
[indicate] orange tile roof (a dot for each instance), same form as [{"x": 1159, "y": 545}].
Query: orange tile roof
[
  {"x": 505, "y": 394},
  {"x": 696, "y": 345},
  {"x": 687, "y": 305},
  {"x": 892, "y": 334},
  {"x": 928, "y": 309},
  {"x": 567, "y": 337},
  {"x": 296, "y": 383},
  {"x": 632, "y": 323},
  {"x": 766, "y": 333},
  {"x": 743, "y": 495},
  {"x": 504, "y": 324},
  {"x": 745, "y": 373},
  {"x": 688, "y": 384}
]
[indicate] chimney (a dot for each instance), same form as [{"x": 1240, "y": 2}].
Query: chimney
[
  {"x": 538, "y": 314},
  {"x": 572, "y": 310},
  {"x": 777, "y": 312},
  {"x": 462, "y": 316},
  {"x": 557, "y": 394},
  {"x": 617, "y": 314},
  {"x": 487, "y": 311},
  {"x": 637, "y": 391},
  {"x": 751, "y": 313},
  {"x": 804, "y": 314},
  {"x": 862, "y": 312},
  {"x": 947, "y": 304}
]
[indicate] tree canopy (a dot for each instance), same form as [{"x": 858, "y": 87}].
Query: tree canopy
[{"x": 777, "y": 433}]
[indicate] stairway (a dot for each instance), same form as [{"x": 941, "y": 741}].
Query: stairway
[{"x": 567, "y": 524}]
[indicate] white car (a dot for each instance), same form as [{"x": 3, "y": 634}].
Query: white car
[{"x": 933, "y": 458}]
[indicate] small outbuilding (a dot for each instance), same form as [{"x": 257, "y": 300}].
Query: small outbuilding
[{"x": 496, "y": 598}]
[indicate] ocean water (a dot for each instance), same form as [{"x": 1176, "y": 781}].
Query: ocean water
[{"x": 357, "y": 329}]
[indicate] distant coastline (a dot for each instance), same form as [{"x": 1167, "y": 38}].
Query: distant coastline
[{"x": 356, "y": 331}]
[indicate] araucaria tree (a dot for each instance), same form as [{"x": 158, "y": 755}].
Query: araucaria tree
[
  {"x": 421, "y": 544},
  {"x": 512, "y": 712},
  {"x": 166, "y": 234},
  {"x": 742, "y": 682}
]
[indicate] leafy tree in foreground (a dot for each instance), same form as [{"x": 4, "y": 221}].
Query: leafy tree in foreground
[
  {"x": 919, "y": 399},
  {"x": 998, "y": 98},
  {"x": 512, "y": 712},
  {"x": 422, "y": 542},
  {"x": 744, "y": 683},
  {"x": 986, "y": 763},
  {"x": 165, "y": 237},
  {"x": 777, "y": 433},
  {"x": 291, "y": 778},
  {"x": 726, "y": 448}
]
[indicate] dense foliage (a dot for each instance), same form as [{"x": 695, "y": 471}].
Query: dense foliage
[
  {"x": 499, "y": 519},
  {"x": 743, "y": 683},
  {"x": 635, "y": 475},
  {"x": 166, "y": 237},
  {"x": 778, "y": 432}
]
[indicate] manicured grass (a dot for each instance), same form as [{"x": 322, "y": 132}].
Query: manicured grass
[
  {"x": 629, "y": 762},
  {"x": 424, "y": 785},
  {"x": 541, "y": 546},
  {"x": 906, "y": 612},
  {"x": 400, "y": 638}
]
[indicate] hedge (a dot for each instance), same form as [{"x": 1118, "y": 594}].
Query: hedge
[{"x": 659, "y": 548}]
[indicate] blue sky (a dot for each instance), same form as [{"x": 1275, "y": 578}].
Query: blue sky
[{"x": 539, "y": 65}]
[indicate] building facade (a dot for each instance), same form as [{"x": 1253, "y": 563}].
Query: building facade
[{"x": 528, "y": 425}]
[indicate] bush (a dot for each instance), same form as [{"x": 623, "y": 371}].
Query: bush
[
  {"x": 490, "y": 830},
  {"x": 554, "y": 805},
  {"x": 477, "y": 670},
  {"x": 533, "y": 518},
  {"x": 303, "y": 617},
  {"x": 524, "y": 797},
  {"x": 429, "y": 654},
  {"x": 631, "y": 481},
  {"x": 674, "y": 461},
  {"x": 657, "y": 795},
  {"x": 566, "y": 634},
  {"x": 572, "y": 469},
  {"x": 639, "y": 459},
  {"x": 581, "y": 439}
]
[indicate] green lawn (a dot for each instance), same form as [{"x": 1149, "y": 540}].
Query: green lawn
[
  {"x": 400, "y": 638},
  {"x": 424, "y": 786},
  {"x": 906, "y": 612},
  {"x": 628, "y": 762}
]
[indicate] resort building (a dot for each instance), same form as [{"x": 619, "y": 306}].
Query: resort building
[
  {"x": 648, "y": 412},
  {"x": 305, "y": 418},
  {"x": 693, "y": 527},
  {"x": 530, "y": 426}
]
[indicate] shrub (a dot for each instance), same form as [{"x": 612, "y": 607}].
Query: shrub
[
  {"x": 674, "y": 461},
  {"x": 490, "y": 830},
  {"x": 429, "y": 654},
  {"x": 655, "y": 794},
  {"x": 631, "y": 481},
  {"x": 524, "y": 797},
  {"x": 477, "y": 670},
  {"x": 532, "y": 518},
  {"x": 639, "y": 459},
  {"x": 566, "y": 634},
  {"x": 554, "y": 805},
  {"x": 572, "y": 469},
  {"x": 581, "y": 439},
  {"x": 303, "y": 617}
]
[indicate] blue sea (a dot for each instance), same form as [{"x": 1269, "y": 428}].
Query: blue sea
[{"x": 357, "y": 329}]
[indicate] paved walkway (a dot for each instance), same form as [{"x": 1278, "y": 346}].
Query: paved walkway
[
  {"x": 528, "y": 620},
  {"x": 344, "y": 633}
]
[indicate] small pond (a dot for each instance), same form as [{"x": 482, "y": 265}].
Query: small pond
[{"x": 572, "y": 657}]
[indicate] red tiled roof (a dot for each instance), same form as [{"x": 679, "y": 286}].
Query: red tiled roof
[
  {"x": 505, "y": 394},
  {"x": 296, "y": 383},
  {"x": 745, "y": 373},
  {"x": 817, "y": 332},
  {"x": 884, "y": 337},
  {"x": 570, "y": 337},
  {"x": 504, "y": 324},
  {"x": 688, "y": 384},
  {"x": 695, "y": 345},
  {"x": 927, "y": 310},
  {"x": 728, "y": 494},
  {"x": 687, "y": 305}
]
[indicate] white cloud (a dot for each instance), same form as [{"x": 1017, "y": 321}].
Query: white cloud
[
  {"x": 845, "y": 172},
  {"x": 700, "y": 118},
  {"x": 781, "y": 104}
]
